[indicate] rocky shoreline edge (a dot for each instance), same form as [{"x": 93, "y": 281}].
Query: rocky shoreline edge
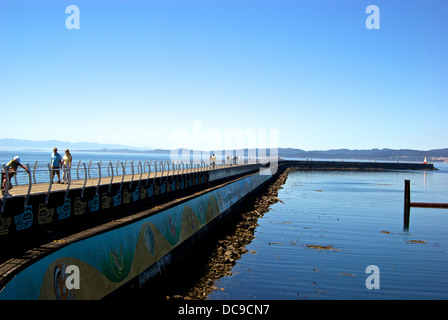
[{"x": 231, "y": 247}]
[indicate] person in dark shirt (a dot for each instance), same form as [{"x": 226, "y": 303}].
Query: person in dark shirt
[{"x": 56, "y": 163}]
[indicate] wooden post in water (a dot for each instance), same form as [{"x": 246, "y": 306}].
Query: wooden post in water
[{"x": 407, "y": 202}]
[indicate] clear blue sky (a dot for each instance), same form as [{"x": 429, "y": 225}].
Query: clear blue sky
[{"x": 145, "y": 73}]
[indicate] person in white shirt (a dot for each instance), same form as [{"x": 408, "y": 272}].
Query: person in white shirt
[{"x": 66, "y": 165}]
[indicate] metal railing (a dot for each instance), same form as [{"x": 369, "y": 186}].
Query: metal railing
[{"x": 79, "y": 173}]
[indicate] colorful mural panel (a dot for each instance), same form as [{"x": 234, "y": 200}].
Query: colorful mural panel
[{"x": 108, "y": 260}]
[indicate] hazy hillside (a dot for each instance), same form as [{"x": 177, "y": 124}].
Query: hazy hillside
[
  {"x": 436, "y": 155},
  {"x": 373, "y": 154},
  {"x": 17, "y": 144}
]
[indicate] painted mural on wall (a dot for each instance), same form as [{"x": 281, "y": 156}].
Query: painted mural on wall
[
  {"x": 44, "y": 212},
  {"x": 108, "y": 260}
]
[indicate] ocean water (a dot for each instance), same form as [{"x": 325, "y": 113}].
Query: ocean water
[
  {"x": 357, "y": 217},
  {"x": 43, "y": 158},
  {"x": 93, "y": 158},
  {"x": 357, "y": 220},
  {"x": 38, "y": 162}
]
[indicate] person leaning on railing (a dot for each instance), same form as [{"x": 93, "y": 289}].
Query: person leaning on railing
[{"x": 11, "y": 168}]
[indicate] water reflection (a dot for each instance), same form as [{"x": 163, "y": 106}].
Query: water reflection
[{"x": 332, "y": 225}]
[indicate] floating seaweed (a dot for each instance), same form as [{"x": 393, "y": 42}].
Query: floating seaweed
[{"x": 320, "y": 247}]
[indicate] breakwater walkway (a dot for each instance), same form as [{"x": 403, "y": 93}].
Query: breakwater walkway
[
  {"x": 38, "y": 206},
  {"x": 171, "y": 169},
  {"x": 128, "y": 227},
  {"x": 357, "y": 165}
]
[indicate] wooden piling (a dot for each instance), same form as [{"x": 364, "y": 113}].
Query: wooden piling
[{"x": 407, "y": 202}]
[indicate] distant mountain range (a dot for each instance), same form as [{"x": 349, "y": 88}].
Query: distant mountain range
[
  {"x": 435, "y": 155},
  {"x": 46, "y": 145}
]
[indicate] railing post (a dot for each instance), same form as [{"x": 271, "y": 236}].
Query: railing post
[
  {"x": 34, "y": 172},
  {"x": 132, "y": 171},
  {"x": 407, "y": 203},
  {"x": 123, "y": 173},
  {"x": 99, "y": 166},
  {"x": 111, "y": 174},
  {"x": 162, "y": 169},
  {"x": 77, "y": 169},
  {"x": 141, "y": 171},
  {"x": 50, "y": 183},
  {"x": 85, "y": 180},
  {"x": 99, "y": 177},
  {"x": 155, "y": 169},
  {"x": 149, "y": 172},
  {"x": 69, "y": 181},
  {"x": 90, "y": 163},
  {"x": 30, "y": 182}
]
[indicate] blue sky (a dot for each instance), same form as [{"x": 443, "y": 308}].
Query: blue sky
[{"x": 149, "y": 73}]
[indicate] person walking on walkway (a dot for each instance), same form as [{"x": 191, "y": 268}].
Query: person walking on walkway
[
  {"x": 11, "y": 168},
  {"x": 56, "y": 162},
  {"x": 66, "y": 165}
]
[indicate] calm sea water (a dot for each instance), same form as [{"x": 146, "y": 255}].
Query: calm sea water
[
  {"x": 44, "y": 157},
  {"x": 360, "y": 216}
]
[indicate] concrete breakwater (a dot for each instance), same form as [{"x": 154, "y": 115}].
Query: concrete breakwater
[
  {"x": 138, "y": 244},
  {"x": 358, "y": 165},
  {"x": 134, "y": 248},
  {"x": 195, "y": 277}
]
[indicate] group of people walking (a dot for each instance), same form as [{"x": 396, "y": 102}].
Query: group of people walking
[
  {"x": 229, "y": 160},
  {"x": 57, "y": 162}
]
